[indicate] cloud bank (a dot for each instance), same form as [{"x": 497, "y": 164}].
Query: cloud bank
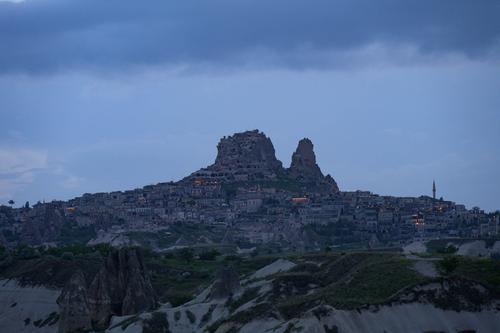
[
  {"x": 44, "y": 36},
  {"x": 17, "y": 168}
]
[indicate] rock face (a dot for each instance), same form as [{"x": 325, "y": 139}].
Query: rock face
[
  {"x": 42, "y": 224},
  {"x": 74, "y": 306},
  {"x": 250, "y": 147},
  {"x": 305, "y": 169},
  {"x": 226, "y": 284},
  {"x": 329, "y": 181},
  {"x": 304, "y": 162},
  {"x": 244, "y": 156},
  {"x": 121, "y": 287}
]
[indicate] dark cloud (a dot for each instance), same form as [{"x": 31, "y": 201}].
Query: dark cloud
[{"x": 40, "y": 36}]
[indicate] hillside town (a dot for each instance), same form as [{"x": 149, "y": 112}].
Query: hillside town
[{"x": 247, "y": 198}]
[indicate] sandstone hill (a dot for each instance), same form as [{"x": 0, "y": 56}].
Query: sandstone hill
[{"x": 250, "y": 156}]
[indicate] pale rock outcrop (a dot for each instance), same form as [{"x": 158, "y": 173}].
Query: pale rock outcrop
[{"x": 280, "y": 265}]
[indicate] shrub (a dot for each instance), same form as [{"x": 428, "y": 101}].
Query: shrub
[
  {"x": 5, "y": 260},
  {"x": 450, "y": 249},
  {"x": 209, "y": 255},
  {"x": 179, "y": 298},
  {"x": 158, "y": 323},
  {"x": 232, "y": 257},
  {"x": 67, "y": 256},
  {"x": 449, "y": 264},
  {"x": 262, "y": 310},
  {"x": 126, "y": 323},
  {"x": 191, "y": 316},
  {"x": 186, "y": 254},
  {"x": 27, "y": 252},
  {"x": 207, "y": 316},
  {"x": 168, "y": 255},
  {"x": 104, "y": 249}
]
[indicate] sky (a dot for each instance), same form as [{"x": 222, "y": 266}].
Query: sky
[{"x": 97, "y": 96}]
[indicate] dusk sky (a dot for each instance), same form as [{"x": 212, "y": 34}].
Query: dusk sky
[{"x": 104, "y": 95}]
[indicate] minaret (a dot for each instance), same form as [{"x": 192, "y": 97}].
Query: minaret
[{"x": 434, "y": 190}]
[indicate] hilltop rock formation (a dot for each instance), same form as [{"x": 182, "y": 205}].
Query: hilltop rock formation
[
  {"x": 74, "y": 307},
  {"x": 250, "y": 156},
  {"x": 246, "y": 150},
  {"x": 305, "y": 169},
  {"x": 121, "y": 287},
  {"x": 244, "y": 156},
  {"x": 304, "y": 162}
]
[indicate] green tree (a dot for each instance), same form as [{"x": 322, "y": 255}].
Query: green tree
[
  {"x": 186, "y": 254},
  {"x": 209, "y": 255},
  {"x": 67, "y": 256},
  {"x": 27, "y": 252},
  {"x": 449, "y": 264},
  {"x": 450, "y": 249}
]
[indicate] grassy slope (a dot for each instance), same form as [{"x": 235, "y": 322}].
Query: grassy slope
[
  {"x": 375, "y": 283},
  {"x": 178, "y": 280},
  {"x": 350, "y": 280},
  {"x": 485, "y": 271},
  {"x": 344, "y": 280},
  {"x": 356, "y": 279}
]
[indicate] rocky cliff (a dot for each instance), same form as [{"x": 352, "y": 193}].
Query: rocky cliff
[
  {"x": 121, "y": 287},
  {"x": 244, "y": 156},
  {"x": 43, "y": 224},
  {"x": 304, "y": 161},
  {"x": 305, "y": 169},
  {"x": 247, "y": 150}
]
